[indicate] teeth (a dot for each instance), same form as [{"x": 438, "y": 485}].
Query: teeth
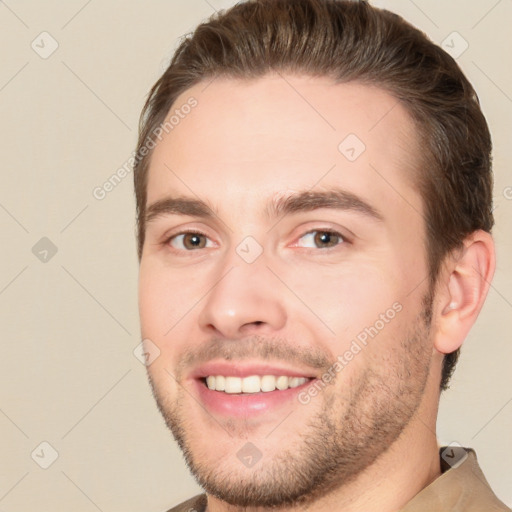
[
  {"x": 282, "y": 382},
  {"x": 210, "y": 382},
  {"x": 253, "y": 383},
  {"x": 233, "y": 385},
  {"x": 268, "y": 383},
  {"x": 293, "y": 382},
  {"x": 220, "y": 383}
]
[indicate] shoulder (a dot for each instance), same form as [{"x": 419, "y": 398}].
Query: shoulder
[
  {"x": 461, "y": 486},
  {"x": 477, "y": 488}
]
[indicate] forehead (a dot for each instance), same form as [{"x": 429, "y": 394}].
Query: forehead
[{"x": 248, "y": 139}]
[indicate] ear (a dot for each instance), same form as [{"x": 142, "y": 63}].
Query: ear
[{"x": 462, "y": 289}]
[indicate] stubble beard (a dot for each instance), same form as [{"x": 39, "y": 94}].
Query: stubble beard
[{"x": 354, "y": 427}]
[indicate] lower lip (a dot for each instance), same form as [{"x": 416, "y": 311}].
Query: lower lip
[{"x": 246, "y": 404}]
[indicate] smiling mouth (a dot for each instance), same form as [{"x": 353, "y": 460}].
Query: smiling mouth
[{"x": 253, "y": 383}]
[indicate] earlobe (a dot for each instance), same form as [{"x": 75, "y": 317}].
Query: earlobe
[{"x": 463, "y": 288}]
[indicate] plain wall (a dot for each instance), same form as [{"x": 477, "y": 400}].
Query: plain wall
[{"x": 69, "y": 325}]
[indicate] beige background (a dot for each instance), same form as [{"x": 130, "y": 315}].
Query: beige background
[{"x": 68, "y": 375}]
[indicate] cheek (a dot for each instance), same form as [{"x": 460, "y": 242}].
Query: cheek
[
  {"x": 168, "y": 302},
  {"x": 153, "y": 306},
  {"x": 159, "y": 300},
  {"x": 157, "y": 307},
  {"x": 348, "y": 297}
]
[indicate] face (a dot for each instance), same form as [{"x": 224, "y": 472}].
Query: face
[{"x": 283, "y": 280}]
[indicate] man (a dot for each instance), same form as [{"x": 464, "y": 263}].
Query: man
[{"x": 313, "y": 191}]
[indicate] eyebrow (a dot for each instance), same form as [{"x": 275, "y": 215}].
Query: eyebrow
[
  {"x": 303, "y": 201},
  {"x": 178, "y": 206},
  {"x": 335, "y": 198}
]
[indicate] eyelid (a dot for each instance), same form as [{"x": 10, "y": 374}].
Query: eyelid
[
  {"x": 183, "y": 229},
  {"x": 322, "y": 229},
  {"x": 322, "y": 225},
  {"x": 194, "y": 231},
  {"x": 333, "y": 231}
]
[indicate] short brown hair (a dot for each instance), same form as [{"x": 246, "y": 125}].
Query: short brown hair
[{"x": 349, "y": 41}]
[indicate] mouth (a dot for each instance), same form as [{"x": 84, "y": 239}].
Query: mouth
[
  {"x": 253, "y": 383},
  {"x": 247, "y": 390}
]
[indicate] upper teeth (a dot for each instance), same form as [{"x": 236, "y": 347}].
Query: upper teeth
[{"x": 253, "y": 383}]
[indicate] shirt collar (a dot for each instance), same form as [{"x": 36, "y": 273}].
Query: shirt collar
[{"x": 461, "y": 486}]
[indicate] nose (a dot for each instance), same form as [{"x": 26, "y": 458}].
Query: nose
[{"x": 244, "y": 299}]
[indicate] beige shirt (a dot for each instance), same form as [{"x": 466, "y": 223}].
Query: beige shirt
[{"x": 461, "y": 487}]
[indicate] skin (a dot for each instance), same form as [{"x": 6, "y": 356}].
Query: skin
[{"x": 367, "y": 441}]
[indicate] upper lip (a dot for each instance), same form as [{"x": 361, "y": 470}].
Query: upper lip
[{"x": 245, "y": 369}]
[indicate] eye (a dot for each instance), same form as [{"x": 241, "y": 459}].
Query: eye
[
  {"x": 321, "y": 238},
  {"x": 188, "y": 241}
]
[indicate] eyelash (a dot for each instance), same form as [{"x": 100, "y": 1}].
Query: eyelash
[
  {"x": 167, "y": 241},
  {"x": 344, "y": 239},
  {"x": 332, "y": 232}
]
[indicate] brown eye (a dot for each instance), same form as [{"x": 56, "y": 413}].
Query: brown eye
[
  {"x": 194, "y": 241},
  {"x": 321, "y": 239},
  {"x": 189, "y": 241},
  {"x": 326, "y": 238}
]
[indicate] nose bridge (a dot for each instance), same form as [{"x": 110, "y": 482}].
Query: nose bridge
[{"x": 243, "y": 294}]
